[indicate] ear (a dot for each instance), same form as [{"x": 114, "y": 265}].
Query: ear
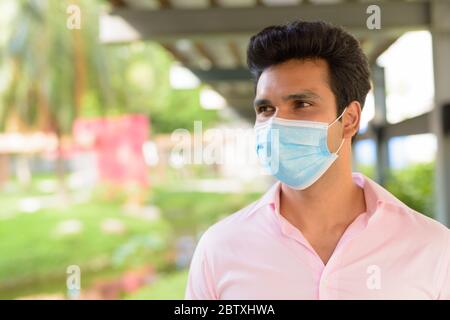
[{"x": 351, "y": 119}]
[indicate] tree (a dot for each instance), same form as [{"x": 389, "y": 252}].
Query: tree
[{"x": 49, "y": 64}]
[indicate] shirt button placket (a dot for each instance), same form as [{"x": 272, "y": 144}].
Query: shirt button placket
[{"x": 325, "y": 291}]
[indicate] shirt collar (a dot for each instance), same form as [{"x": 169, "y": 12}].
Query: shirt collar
[{"x": 375, "y": 195}]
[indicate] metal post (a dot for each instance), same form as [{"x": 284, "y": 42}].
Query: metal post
[
  {"x": 440, "y": 28},
  {"x": 378, "y": 125}
]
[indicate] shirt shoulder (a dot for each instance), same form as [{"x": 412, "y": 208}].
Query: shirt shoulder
[
  {"x": 421, "y": 225},
  {"x": 234, "y": 225},
  {"x": 417, "y": 233},
  {"x": 434, "y": 237},
  {"x": 406, "y": 218}
]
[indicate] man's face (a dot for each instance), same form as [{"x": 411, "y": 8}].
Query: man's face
[{"x": 299, "y": 90}]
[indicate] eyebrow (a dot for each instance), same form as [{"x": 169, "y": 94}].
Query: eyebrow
[{"x": 307, "y": 94}]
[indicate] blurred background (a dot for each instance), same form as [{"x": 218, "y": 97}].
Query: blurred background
[{"x": 126, "y": 130}]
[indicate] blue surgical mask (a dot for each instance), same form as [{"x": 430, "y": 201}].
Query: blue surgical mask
[{"x": 295, "y": 151}]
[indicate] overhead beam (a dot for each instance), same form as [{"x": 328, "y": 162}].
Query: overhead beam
[
  {"x": 236, "y": 54},
  {"x": 205, "y": 53},
  {"x": 118, "y": 3},
  {"x": 164, "y": 4},
  {"x": 408, "y": 127},
  {"x": 176, "y": 23},
  {"x": 218, "y": 74}
]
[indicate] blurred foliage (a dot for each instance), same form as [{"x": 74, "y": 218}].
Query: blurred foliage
[
  {"x": 367, "y": 170},
  {"x": 49, "y": 65},
  {"x": 140, "y": 249},
  {"x": 58, "y": 74},
  {"x": 38, "y": 253},
  {"x": 140, "y": 82},
  {"x": 181, "y": 109},
  {"x": 192, "y": 212},
  {"x": 414, "y": 186}
]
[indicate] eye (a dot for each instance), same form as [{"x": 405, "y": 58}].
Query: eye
[
  {"x": 264, "y": 109},
  {"x": 302, "y": 104}
]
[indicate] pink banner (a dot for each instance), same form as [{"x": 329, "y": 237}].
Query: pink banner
[{"x": 118, "y": 143}]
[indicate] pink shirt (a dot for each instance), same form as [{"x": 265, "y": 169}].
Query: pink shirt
[{"x": 388, "y": 252}]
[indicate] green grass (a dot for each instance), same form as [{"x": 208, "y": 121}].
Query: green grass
[
  {"x": 168, "y": 287},
  {"x": 31, "y": 251},
  {"x": 34, "y": 258},
  {"x": 191, "y": 212}
]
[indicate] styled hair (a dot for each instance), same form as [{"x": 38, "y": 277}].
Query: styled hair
[{"x": 349, "y": 73}]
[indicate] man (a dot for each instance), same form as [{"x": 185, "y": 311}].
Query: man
[{"x": 321, "y": 232}]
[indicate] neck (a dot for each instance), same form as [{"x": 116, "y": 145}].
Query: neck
[{"x": 333, "y": 201}]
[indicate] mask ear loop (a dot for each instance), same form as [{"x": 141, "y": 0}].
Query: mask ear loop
[
  {"x": 345, "y": 109},
  {"x": 342, "y": 143},
  {"x": 343, "y": 139}
]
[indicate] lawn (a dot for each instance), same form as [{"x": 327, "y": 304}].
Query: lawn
[
  {"x": 32, "y": 250},
  {"x": 169, "y": 286},
  {"x": 37, "y": 247}
]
